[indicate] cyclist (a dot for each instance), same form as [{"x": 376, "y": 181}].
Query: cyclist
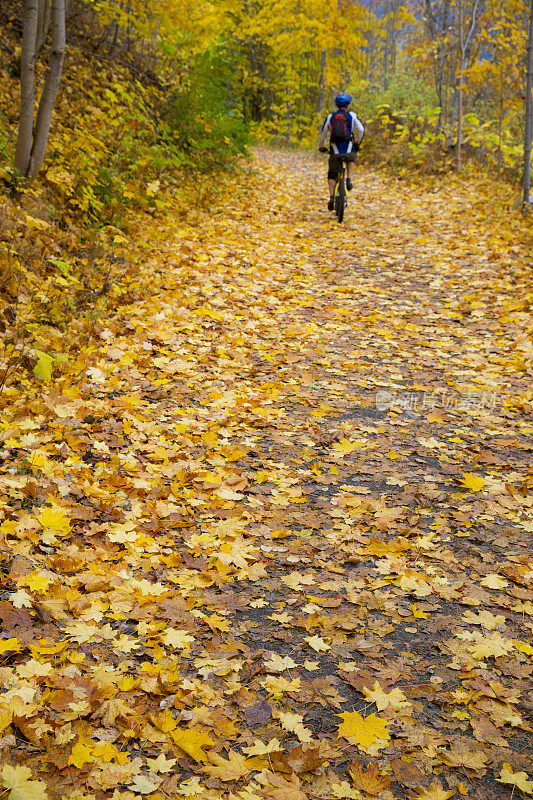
[{"x": 341, "y": 126}]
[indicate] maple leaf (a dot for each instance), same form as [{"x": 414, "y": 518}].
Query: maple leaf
[
  {"x": 80, "y": 632},
  {"x": 435, "y": 416},
  {"x": 279, "y": 788},
  {"x": 418, "y": 613},
  {"x": 344, "y": 447},
  {"x": 217, "y": 623},
  {"x": 6, "y": 718},
  {"x": 107, "y": 752},
  {"x": 369, "y": 779},
  {"x": 464, "y": 757},
  {"x": 411, "y": 581},
  {"x": 12, "y": 645},
  {"x": 18, "y": 781},
  {"x": 143, "y": 785},
  {"x": 178, "y": 639},
  {"x": 33, "y": 669},
  {"x": 302, "y": 758},
  {"x": 260, "y": 749},
  {"x": 278, "y": 663},
  {"x": 80, "y": 755},
  {"x": 127, "y": 683},
  {"x": 434, "y": 792},
  {"x": 44, "y": 366},
  {"x": 125, "y": 644},
  {"x": 96, "y": 375},
  {"x": 190, "y": 788},
  {"x": 317, "y": 644},
  {"x": 485, "y": 619},
  {"x": 231, "y": 769},
  {"x": 365, "y": 731},
  {"x": 344, "y": 791},
  {"x": 518, "y": 779},
  {"x": 21, "y": 599},
  {"x": 296, "y": 580},
  {"x": 161, "y": 763},
  {"x": 35, "y": 581},
  {"x": 294, "y": 722},
  {"x": 494, "y": 581},
  {"x": 192, "y": 741},
  {"x": 395, "y": 698},
  {"x": 289, "y": 720},
  {"x": 472, "y": 482},
  {"x": 165, "y": 721},
  {"x": 283, "y": 617},
  {"x": 494, "y": 646},
  {"x": 486, "y": 731},
  {"x": 54, "y": 520},
  {"x": 145, "y": 480},
  {"x": 276, "y": 686},
  {"x": 523, "y": 647}
]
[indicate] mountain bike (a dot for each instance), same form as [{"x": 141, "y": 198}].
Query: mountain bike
[{"x": 340, "y": 193}]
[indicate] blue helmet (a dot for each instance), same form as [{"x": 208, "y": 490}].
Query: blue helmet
[{"x": 342, "y": 100}]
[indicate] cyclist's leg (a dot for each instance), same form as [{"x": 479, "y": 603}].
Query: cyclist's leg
[
  {"x": 333, "y": 170},
  {"x": 349, "y": 172}
]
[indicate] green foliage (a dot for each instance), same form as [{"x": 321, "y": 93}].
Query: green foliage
[
  {"x": 133, "y": 142},
  {"x": 4, "y": 145},
  {"x": 204, "y": 116},
  {"x": 120, "y": 155},
  {"x": 401, "y": 124},
  {"x": 43, "y": 367},
  {"x": 407, "y": 94}
]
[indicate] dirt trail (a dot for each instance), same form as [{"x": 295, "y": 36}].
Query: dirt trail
[{"x": 292, "y": 482}]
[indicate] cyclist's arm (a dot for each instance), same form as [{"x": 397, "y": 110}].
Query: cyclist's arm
[
  {"x": 358, "y": 128},
  {"x": 324, "y": 133}
]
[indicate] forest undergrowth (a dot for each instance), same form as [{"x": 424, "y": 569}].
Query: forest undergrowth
[{"x": 267, "y": 502}]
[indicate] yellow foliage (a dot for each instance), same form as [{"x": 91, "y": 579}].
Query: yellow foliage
[{"x": 364, "y": 731}]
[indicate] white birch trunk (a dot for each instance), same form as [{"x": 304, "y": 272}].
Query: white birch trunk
[
  {"x": 528, "y": 132},
  {"x": 460, "y": 90},
  {"x": 50, "y": 89},
  {"x": 27, "y": 87},
  {"x": 32, "y": 142}
]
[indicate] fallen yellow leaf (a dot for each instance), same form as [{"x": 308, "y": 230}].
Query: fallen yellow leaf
[
  {"x": 518, "y": 779},
  {"x": 365, "y": 731}
]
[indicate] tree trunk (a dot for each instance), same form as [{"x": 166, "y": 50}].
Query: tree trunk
[
  {"x": 389, "y": 45},
  {"x": 385, "y": 67},
  {"x": 31, "y": 143},
  {"x": 528, "y": 111},
  {"x": 42, "y": 26},
  {"x": 500, "y": 131},
  {"x": 50, "y": 88},
  {"x": 460, "y": 90},
  {"x": 27, "y": 87},
  {"x": 322, "y": 84},
  {"x": 437, "y": 25}
]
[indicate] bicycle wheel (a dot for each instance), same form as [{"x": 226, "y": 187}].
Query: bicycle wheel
[
  {"x": 340, "y": 200},
  {"x": 337, "y": 198}
]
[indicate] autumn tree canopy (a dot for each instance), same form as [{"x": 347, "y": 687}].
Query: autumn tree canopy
[
  {"x": 430, "y": 77},
  {"x": 266, "y": 494}
]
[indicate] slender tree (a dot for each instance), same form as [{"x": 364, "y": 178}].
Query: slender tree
[
  {"x": 528, "y": 111},
  {"x": 460, "y": 79},
  {"x": 32, "y": 138}
]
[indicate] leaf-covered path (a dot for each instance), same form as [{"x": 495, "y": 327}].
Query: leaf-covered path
[{"x": 269, "y": 536}]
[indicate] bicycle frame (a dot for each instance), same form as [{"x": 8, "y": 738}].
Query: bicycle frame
[{"x": 339, "y": 193}]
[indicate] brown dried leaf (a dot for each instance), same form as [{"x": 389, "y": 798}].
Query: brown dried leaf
[{"x": 369, "y": 779}]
